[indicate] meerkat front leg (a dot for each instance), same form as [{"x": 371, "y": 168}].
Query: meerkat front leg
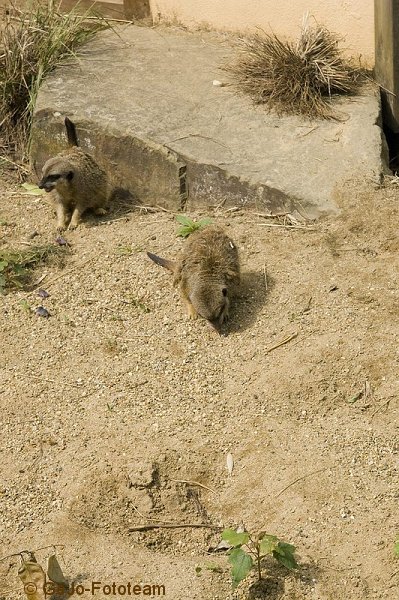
[
  {"x": 75, "y": 220},
  {"x": 62, "y": 216},
  {"x": 100, "y": 211},
  {"x": 192, "y": 313}
]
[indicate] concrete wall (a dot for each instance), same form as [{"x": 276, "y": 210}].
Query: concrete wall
[{"x": 354, "y": 19}]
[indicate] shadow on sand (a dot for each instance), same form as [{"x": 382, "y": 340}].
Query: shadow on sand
[{"x": 251, "y": 298}]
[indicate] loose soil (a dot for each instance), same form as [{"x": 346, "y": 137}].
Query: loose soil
[{"x": 116, "y": 407}]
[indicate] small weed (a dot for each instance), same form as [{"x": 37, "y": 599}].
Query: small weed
[
  {"x": 214, "y": 568},
  {"x": 396, "y": 548},
  {"x": 16, "y": 265},
  {"x": 137, "y": 304},
  {"x": 140, "y": 305},
  {"x": 263, "y": 545},
  {"x": 26, "y": 307},
  {"x": 111, "y": 346},
  {"x": 188, "y": 226},
  {"x": 356, "y": 397},
  {"x": 116, "y": 317},
  {"x": 127, "y": 250},
  {"x": 66, "y": 319}
]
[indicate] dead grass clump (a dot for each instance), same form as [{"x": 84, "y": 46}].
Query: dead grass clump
[
  {"x": 295, "y": 77},
  {"x": 16, "y": 266},
  {"x": 33, "y": 41}
]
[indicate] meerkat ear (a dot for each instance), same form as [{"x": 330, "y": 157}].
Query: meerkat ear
[
  {"x": 224, "y": 291},
  {"x": 69, "y": 175}
]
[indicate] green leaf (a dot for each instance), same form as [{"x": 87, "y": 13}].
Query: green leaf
[
  {"x": 32, "y": 189},
  {"x": 124, "y": 250},
  {"x": 396, "y": 549},
  {"x": 204, "y": 222},
  {"x": 55, "y": 573},
  {"x": 356, "y": 397},
  {"x": 184, "y": 231},
  {"x": 19, "y": 269},
  {"x": 209, "y": 566},
  {"x": 284, "y": 553},
  {"x": 25, "y": 305},
  {"x": 268, "y": 544},
  {"x": 241, "y": 563},
  {"x": 234, "y": 538},
  {"x": 183, "y": 220},
  {"x": 3, "y": 265},
  {"x": 189, "y": 226}
]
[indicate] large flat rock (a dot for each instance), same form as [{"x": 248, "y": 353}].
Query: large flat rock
[{"x": 145, "y": 106}]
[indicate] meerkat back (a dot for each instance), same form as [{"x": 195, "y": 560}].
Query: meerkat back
[
  {"x": 90, "y": 181},
  {"x": 210, "y": 253},
  {"x": 209, "y": 274}
]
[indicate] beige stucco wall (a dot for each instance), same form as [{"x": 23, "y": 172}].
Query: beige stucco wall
[{"x": 354, "y": 19}]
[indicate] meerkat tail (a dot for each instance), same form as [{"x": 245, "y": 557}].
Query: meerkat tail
[
  {"x": 71, "y": 132},
  {"x": 164, "y": 262}
]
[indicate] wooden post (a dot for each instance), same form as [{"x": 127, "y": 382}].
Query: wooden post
[
  {"x": 386, "y": 23},
  {"x": 112, "y": 9},
  {"x": 137, "y": 9}
]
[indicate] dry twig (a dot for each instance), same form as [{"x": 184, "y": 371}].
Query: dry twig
[
  {"x": 381, "y": 406},
  {"x": 173, "y": 526},
  {"x": 283, "y": 342},
  {"x": 300, "y": 479},
  {"x": 194, "y": 483},
  {"x": 303, "y": 227}
]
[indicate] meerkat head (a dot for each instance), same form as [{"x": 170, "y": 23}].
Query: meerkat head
[
  {"x": 211, "y": 301},
  {"x": 57, "y": 173}
]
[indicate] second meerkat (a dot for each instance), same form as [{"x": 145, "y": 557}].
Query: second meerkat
[
  {"x": 77, "y": 182},
  {"x": 207, "y": 273}
]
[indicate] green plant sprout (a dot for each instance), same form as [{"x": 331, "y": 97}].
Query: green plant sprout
[
  {"x": 242, "y": 561},
  {"x": 127, "y": 250},
  {"x": 188, "y": 226},
  {"x": 209, "y": 566}
]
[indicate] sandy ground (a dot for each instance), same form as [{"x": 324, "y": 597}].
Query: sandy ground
[{"x": 116, "y": 400}]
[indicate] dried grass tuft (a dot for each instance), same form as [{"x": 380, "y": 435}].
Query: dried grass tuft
[
  {"x": 17, "y": 265},
  {"x": 295, "y": 77},
  {"x": 33, "y": 41}
]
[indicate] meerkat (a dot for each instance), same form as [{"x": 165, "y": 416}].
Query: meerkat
[
  {"x": 77, "y": 182},
  {"x": 207, "y": 273}
]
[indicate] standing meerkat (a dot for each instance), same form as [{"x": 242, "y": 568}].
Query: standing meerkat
[
  {"x": 77, "y": 182},
  {"x": 207, "y": 273}
]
